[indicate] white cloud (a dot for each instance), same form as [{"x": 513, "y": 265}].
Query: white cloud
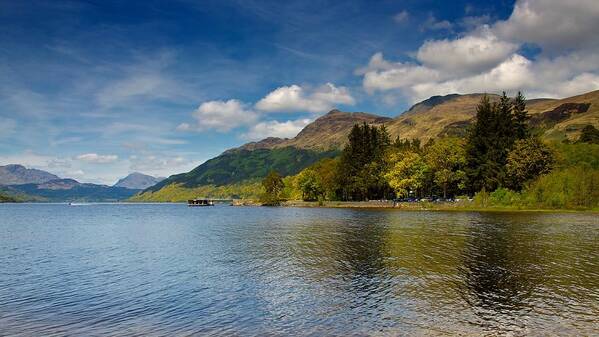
[
  {"x": 221, "y": 116},
  {"x": 286, "y": 129},
  {"x": 395, "y": 75},
  {"x": 466, "y": 55},
  {"x": 553, "y": 24},
  {"x": 295, "y": 98},
  {"x": 511, "y": 75},
  {"x": 487, "y": 59},
  {"x": 97, "y": 158}
]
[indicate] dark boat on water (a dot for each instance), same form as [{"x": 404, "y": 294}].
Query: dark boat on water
[{"x": 199, "y": 202}]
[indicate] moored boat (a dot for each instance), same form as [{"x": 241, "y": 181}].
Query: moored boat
[{"x": 200, "y": 202}]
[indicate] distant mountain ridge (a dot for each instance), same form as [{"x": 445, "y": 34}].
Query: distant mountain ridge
[
  {"x": 138, "y": 181},
  {"x": 62, "y": 190},
  {"x": 15, "y": 174},
  {"x": 19, "y": 182}
]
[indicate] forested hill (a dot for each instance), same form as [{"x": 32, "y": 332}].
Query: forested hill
[
  {"x": 435, "y": 117},
  {"x": 243, "y": 165}
]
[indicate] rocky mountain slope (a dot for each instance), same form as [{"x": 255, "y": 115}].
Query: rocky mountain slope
[
  {"x": 17, "y": 174},
  {"x": 138, "y": 181},
  {"x": 437, "y": 116},
  {"x": 325, "y": 133}
]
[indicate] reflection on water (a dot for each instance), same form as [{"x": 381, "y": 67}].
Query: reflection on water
[{"x": 171, "y": 270}]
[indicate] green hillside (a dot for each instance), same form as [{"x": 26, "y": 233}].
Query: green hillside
[
  {"x": 6, "y": 198},
  {"x": 241, "y": 165}
]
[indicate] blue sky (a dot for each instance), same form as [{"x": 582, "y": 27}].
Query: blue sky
[{"x": 95, "y": 90}]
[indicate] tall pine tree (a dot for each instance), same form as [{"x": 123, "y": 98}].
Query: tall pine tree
[
  {"x": 361, "y": 166},
  {"x": 477, "y": 147},
  {"x": 489, "y": 142},
  {"x": 520, "y": 117}
]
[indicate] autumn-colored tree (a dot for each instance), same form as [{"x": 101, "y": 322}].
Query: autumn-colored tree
[
  {"x": 406, "y": 172},
  {"x": 447, "y": 159},
  {"x": 273, "y": 186}
]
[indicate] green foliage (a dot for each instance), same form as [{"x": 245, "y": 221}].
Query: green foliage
[
  {"x": 482, "y": 198},
  {"x": 273, "y": 187},
  {"x": 574, "y": 187},
  {"x": 491, "y": 138},
  {"x": 521, "y": 117},
  {"x": 7, "y": 198},
  {"x": 580, "y": 154},
  {"x": 528, "y": 159},
  {"x": 406, "y": 173},
  {"x": 361, "y": 166},
  {"x": 447, "y": 159},
  {"x": 316, "y": 182},
  {"x": 309, "y": 183},
  {"x": 242, "y": 165},
  {"x": 589, "y": 135},
  {"x": 504, "y": 197}
]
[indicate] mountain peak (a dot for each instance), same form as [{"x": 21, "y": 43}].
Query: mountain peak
[
  {"x": 334, "y": 111},
  {"x": 137, "y": 181},
  {"x": 16, "y": 174}
]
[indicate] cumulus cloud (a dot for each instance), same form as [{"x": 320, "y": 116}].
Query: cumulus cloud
[
  {"x": 296, "y": 98},
  {"x": 468, "y": 54},
  {"x": 98, "y": 158},
  {"x": 221, "y": 116},
  {"x": 487, "y": 59},
  {"x": 553, "y": 24},
  {"x": 286, "y": 129},
  {"x": 224, "y": 116}
]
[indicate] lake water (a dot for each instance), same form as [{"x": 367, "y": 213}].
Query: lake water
[{"x": 173, "y": 270}]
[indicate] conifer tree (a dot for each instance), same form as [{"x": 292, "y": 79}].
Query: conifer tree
[
  {"x": 478, "y": 144},
  {"x": 520, "y": 117},
  {"x": 361, "y": 166}
]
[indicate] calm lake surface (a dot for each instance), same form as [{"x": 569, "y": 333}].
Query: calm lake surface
[{"x": 173, "y": 270}]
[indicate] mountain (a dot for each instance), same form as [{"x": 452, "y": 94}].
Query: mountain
[
  {"x": 61, "y": 190},
  {"x": 437, "y": 116},
  {"x": 325, "y": 133},
  {"x": 138, "y": 181},
  {"x": 18, "y": 174},
  {"x": 240, "y": 165}
]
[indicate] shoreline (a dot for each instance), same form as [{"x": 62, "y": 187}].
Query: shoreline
[{"x": 409, "y": 206}]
